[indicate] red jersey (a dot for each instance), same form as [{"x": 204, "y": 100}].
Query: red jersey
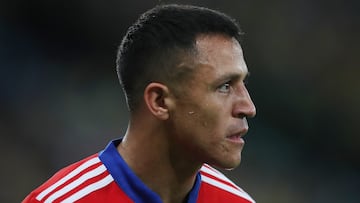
[{"x": 105, "y": 177}]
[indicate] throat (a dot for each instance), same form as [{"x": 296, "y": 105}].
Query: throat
[
  {"x": 171, "y": 187},
  {"x": 171, "y": 177}
]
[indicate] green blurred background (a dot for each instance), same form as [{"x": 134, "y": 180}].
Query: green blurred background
[{"x": 60, "y": 99}]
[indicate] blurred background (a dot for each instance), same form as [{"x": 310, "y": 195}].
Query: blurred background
[{"x": 60, "y": 99}]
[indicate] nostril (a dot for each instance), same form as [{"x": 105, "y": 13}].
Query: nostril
[
  {"x": 244, "y": 112},
  {"x": 242, "y": 115}
]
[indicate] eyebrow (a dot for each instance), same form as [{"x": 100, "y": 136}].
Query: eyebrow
[{"x": 232, "y": 76}]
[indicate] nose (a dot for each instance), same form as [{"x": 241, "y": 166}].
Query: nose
[{"x": 243, "y": 105}]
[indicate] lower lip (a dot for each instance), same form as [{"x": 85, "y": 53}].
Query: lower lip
[{"x": 236, "y": 139}]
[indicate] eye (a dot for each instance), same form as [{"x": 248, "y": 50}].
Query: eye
[{"x": 224, "y": 88}]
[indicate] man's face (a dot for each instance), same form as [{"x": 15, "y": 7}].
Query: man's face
[{"x": 209, "y": 118}]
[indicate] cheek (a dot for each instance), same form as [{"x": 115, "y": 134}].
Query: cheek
[
  {"x": 202, "y": 118},
  {"x": 195, "y": 123},
  {"x": 209, "y": 121}
]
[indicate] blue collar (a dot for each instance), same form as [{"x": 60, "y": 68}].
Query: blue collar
[{"x": 129, "y": 182}]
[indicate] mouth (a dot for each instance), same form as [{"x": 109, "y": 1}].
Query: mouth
[{"x": 236, "y": 138}]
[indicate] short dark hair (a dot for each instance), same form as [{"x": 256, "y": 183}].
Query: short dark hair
[{"x": 157, "y": 40}]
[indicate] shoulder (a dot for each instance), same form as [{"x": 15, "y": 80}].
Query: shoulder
[
  {"x": 73, "y": 182},
  {"x": 218, "y": 186}
]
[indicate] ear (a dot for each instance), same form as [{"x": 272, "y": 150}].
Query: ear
[{"x": 156, "y": 96}]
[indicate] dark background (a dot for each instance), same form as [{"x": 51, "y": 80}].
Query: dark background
[{"x": 60, "y": 99}]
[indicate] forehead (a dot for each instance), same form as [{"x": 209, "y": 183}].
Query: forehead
[
  {"x": 218, "y": 55},
  {"x": 211, "y": 43}
]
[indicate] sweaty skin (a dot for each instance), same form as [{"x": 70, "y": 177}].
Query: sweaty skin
[
  {"x": 202, "y": 123},
  {"x": 217, "y": 104}
]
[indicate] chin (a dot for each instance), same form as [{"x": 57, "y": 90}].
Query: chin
[
  {"x": 231, "y": 167},
  {"x": 228, "y": 164}
]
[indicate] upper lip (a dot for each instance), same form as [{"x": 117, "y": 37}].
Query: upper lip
[
  {"x": 240, "y": 129},
  {"x": 240, "y": 133}
]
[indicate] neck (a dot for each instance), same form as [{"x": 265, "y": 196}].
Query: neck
[{"x": 150, "y": 154}]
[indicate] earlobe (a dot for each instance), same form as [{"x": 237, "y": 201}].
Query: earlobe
[{"x": 155, "y": 95}]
